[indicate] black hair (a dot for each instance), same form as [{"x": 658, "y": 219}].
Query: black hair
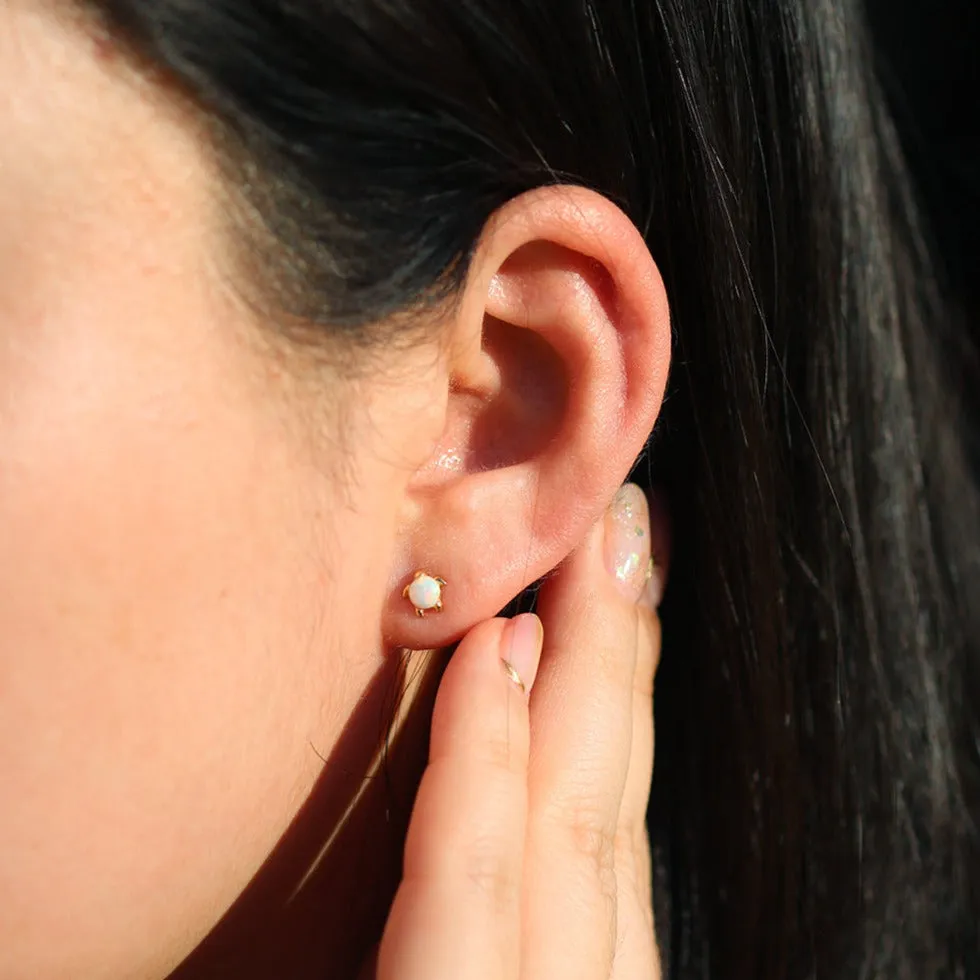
[{"x": 816, "y": 788}]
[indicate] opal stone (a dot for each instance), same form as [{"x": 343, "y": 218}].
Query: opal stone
[{"x": 425, "y": 592}]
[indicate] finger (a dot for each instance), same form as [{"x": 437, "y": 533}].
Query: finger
[
  {"x": 636, "y": 794},
  {"x": 636, "y": 948},
  {"x": 582, "y": 731},
  {"x": 456, "y": 915}
]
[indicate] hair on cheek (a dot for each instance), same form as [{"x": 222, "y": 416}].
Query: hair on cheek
[{"x": 816, "y": 788}]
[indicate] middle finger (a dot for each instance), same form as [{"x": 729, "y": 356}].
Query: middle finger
[{"x": 581, "y": 734}]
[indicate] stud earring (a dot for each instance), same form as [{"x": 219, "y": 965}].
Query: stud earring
[{"x": 425, "y": 593}]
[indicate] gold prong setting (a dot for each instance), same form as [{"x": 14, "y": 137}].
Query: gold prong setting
[{"x": 424, "y": 592}]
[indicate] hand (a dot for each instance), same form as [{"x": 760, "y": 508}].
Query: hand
[{"x": 527, "y": 855}]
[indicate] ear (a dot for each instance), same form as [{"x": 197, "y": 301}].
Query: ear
[{"x": 557, "y": 363}]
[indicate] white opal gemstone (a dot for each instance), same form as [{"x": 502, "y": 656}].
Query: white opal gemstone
[{"x": 425, "y": 592}]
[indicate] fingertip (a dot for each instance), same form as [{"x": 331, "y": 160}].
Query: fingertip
[{"x": 476, "y": 712}]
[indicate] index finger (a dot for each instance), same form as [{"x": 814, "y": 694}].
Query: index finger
[{"x": 456, "y": 915}]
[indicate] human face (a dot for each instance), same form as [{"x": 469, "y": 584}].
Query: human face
[{"x": 194, "y": 544}]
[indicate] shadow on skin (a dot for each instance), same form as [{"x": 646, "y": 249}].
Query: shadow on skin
[{"x": 341, "y": 910}]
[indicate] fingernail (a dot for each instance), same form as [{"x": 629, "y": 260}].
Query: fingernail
[
  {"x": 627, "y": 543},
  {"x": 521, "y": 650}
]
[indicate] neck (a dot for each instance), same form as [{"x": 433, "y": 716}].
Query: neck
[{"x": 318, "y": 906}]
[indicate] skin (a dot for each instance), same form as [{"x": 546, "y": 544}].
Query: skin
[{"x": 202, "y": 556}]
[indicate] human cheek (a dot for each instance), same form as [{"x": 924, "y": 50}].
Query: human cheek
[{"x": 156, "y": 589}]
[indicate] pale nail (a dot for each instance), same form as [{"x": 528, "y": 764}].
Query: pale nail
[
  {"x": 627, "y": 544},
  {"x": 520, "y": 652}
]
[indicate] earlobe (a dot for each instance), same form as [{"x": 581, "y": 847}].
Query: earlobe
[{"x": 560, "y": 362}]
